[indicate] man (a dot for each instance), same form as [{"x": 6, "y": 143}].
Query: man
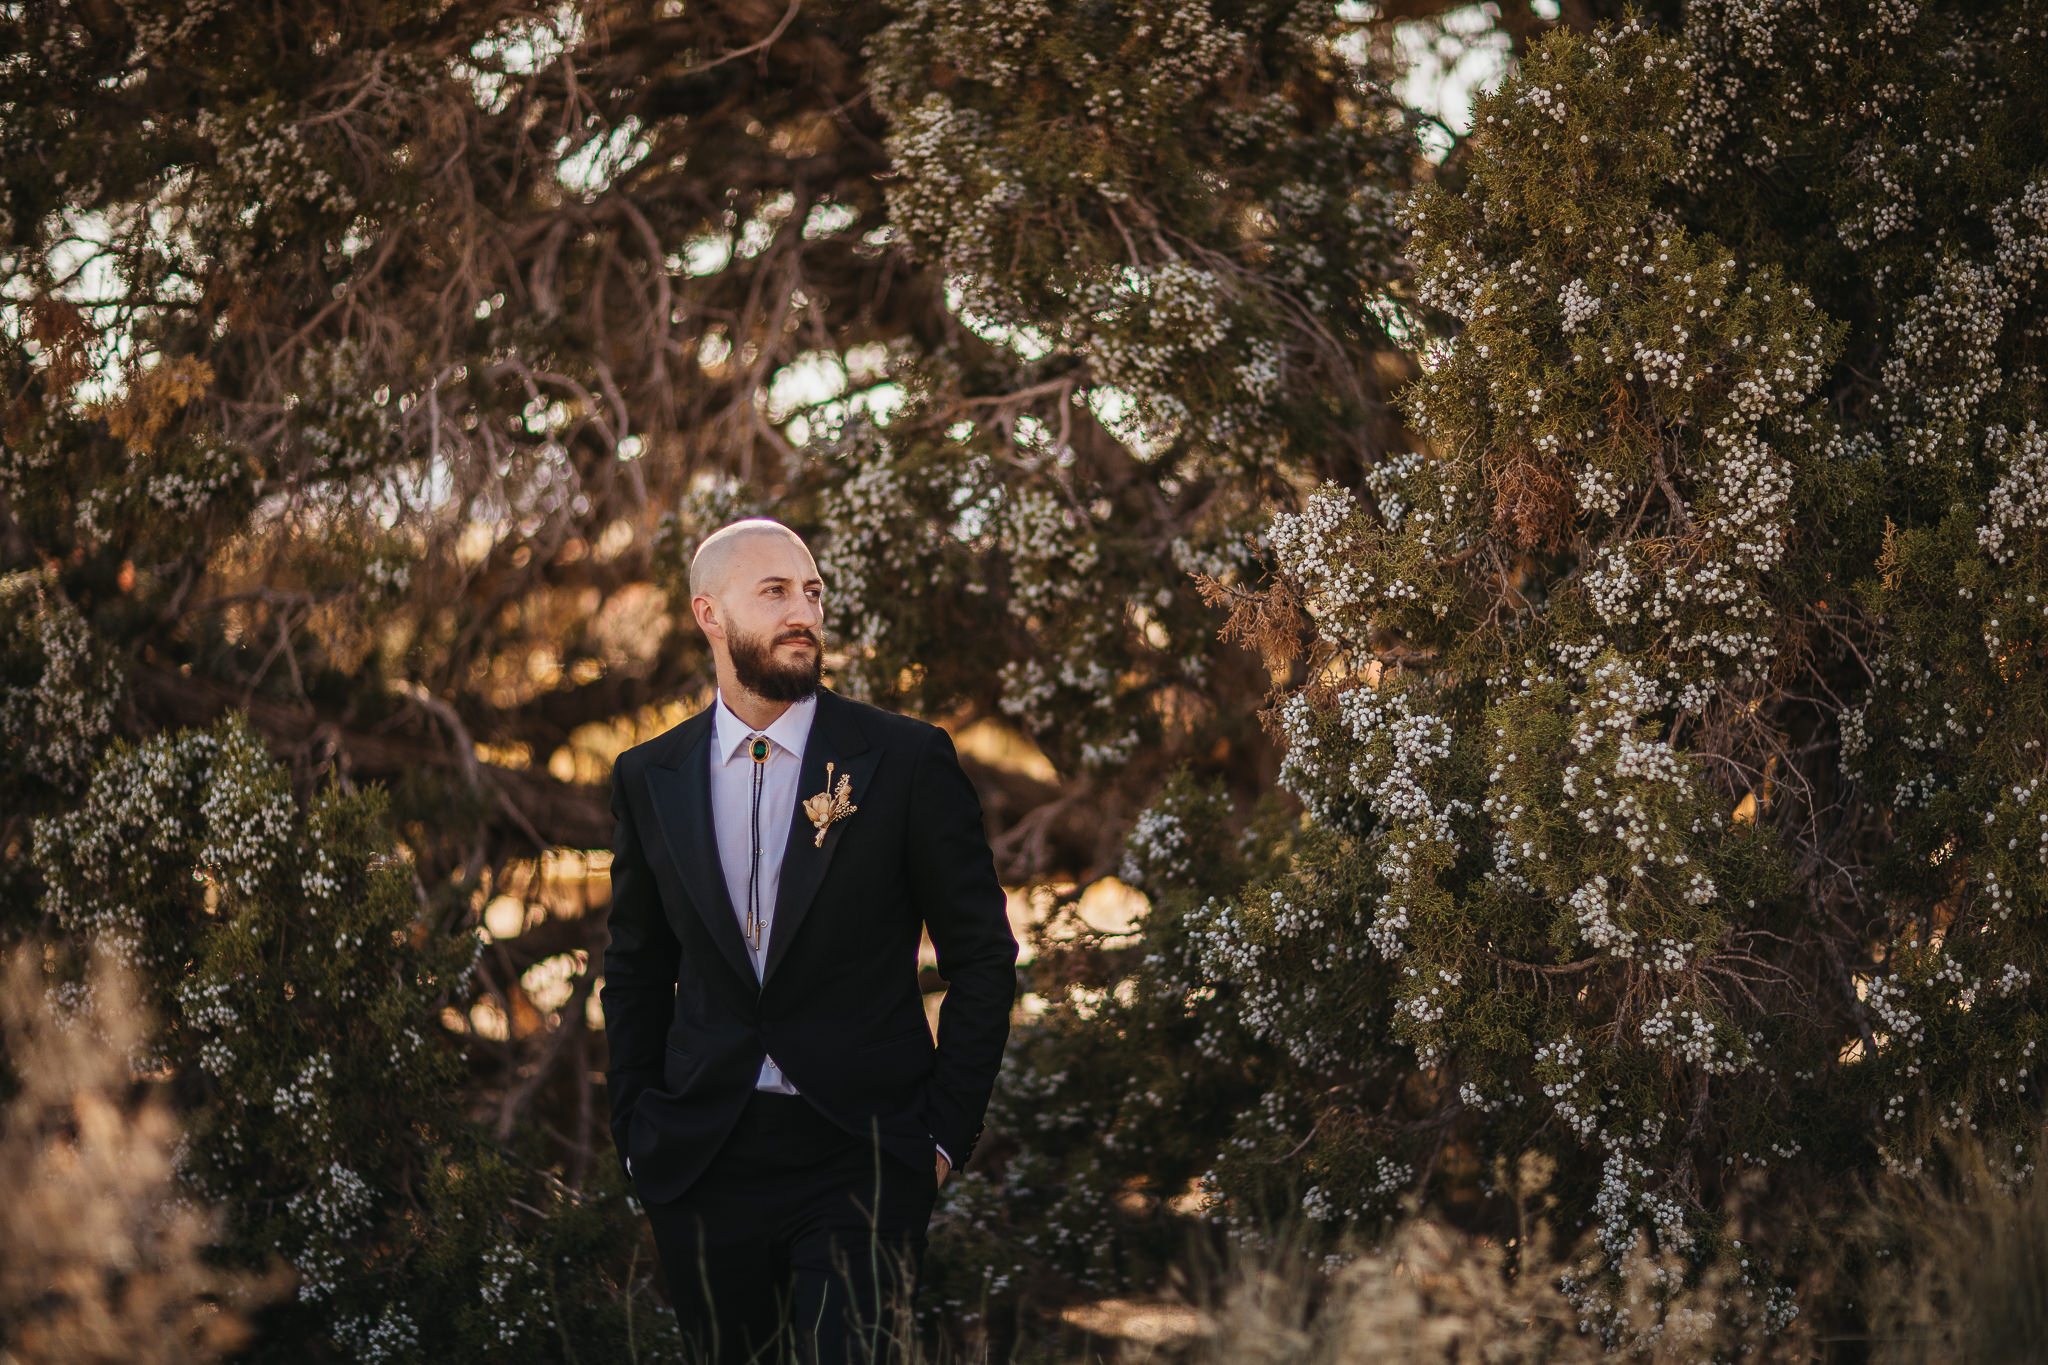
[{"x": 775, "y": 1092}]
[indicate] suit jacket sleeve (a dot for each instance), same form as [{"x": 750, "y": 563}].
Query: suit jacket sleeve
[
  {"x": 954, "y": 888},
  {"x": 639, "y": 971}
]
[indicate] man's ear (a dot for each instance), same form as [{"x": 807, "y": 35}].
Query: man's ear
[{"x": 706, "y": 612}]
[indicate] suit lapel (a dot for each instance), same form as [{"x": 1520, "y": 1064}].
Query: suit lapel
[
  {"x": 837, "y": 739},
  {"x": 680, "y": 784}
]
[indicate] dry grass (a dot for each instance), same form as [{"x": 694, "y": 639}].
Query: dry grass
[
  {"x": 1430, "y": 1293},
  {"x": 1966, "y": 1277},
  {"x": 101, "y": 1260},
  {"x": 1948, "y": 1270}
]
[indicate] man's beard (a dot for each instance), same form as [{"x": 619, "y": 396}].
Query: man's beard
[{"x": 754, "y": 663}]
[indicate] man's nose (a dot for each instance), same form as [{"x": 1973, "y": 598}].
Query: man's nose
[{"x": 803, "y": 611}]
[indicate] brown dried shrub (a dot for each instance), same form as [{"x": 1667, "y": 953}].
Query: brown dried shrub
[{"x": 102, "y": 1254}]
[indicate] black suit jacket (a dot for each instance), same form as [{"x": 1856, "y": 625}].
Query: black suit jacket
[{"x": 839, "y": 1007}]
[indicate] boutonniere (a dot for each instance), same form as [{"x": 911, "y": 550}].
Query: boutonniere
[{"x": 831, "y": 805}]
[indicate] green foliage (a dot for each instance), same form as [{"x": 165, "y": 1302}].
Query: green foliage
[
  {"x": 300, "y": 986},
  {"x": 1193, "y": 201},
  {"x": 58, "y": 689},
  {"x": 1671, "y": 738},
  {"x": 1111, "y": 1106},
  {"x": 1169, "y": 232}
]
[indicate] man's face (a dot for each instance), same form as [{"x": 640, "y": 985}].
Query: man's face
[{"x": 771, "y": 610}]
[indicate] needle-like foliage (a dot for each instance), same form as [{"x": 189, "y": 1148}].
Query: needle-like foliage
[{"x": 1670, "y": 719}]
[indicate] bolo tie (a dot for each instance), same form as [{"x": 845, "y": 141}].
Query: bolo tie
[{"x": 758, "y": 749}]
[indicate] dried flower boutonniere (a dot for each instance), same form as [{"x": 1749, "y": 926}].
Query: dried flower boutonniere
[{"x": 830, "y": 805}]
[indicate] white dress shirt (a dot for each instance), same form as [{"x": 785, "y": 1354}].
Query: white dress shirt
[{"x": 732, "y": 820}]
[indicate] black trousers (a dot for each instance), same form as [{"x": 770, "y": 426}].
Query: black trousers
[{"x": 797, "y": 1240}]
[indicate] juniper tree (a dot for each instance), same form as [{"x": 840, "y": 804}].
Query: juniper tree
[
  {"x": 1671, "y": 738},
  {"x": 1169, "y": 233}
]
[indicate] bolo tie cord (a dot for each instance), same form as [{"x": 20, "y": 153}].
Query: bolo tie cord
[{"x": 759, "y": 751}]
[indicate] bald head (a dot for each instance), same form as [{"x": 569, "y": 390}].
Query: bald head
[{"x": 723, "y": 551}]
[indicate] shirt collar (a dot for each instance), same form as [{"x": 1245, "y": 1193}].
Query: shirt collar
[{"x": 791, "y": 730}]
